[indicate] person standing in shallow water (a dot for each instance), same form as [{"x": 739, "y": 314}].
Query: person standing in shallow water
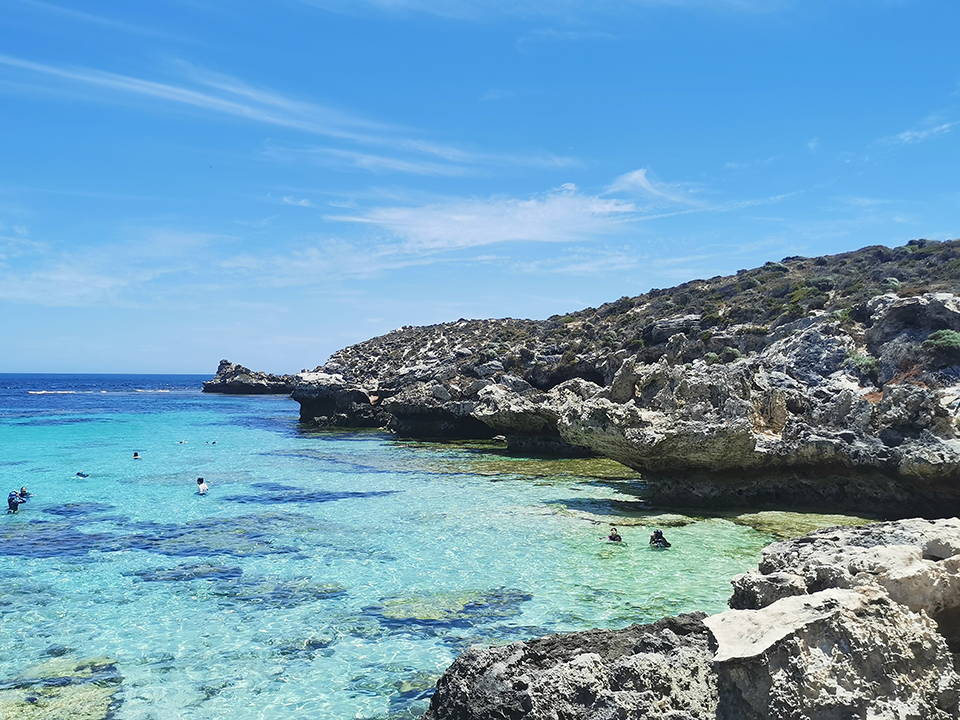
[
  {"x": 201, "y": 487},
  {"x": 614, "y": 536}
]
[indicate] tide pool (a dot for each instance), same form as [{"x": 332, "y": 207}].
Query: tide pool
[{"x": 326, "y": 575}]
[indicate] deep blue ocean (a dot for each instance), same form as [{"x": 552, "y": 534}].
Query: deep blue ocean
[{"x": 325, "y": 575}]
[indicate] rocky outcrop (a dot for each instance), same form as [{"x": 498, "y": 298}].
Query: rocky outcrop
[
  {"x": 843, "y": 623},
  {"x": 644, "y": 672},
  {"x": 234, "y": 379},
  {"x": 827, "y": 405}
]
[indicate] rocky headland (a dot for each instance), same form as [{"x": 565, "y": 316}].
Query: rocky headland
[
  {"x": 234, "y": 379},
  {"x": 842, "y": 623},
  {"x": 829, "y": 383}
]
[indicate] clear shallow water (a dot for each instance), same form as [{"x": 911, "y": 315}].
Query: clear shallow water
[{"x": 326, "y": 575}]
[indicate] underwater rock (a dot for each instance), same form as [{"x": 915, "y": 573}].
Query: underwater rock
[
  {"x": 78, "y": 509},
  {"x": 450, "y": 609},
  {"x": 307, "y": 647},
  {"x": 182, "y": 573},
  {"x": 49, "y": 539},
  {"x": 273, "y": 593},
  {"x": 785, "y": 525},
  {"x": 279, "y": 494},
  {"x": 63, "y": 689},
  {"x": 243, "y": 536}
]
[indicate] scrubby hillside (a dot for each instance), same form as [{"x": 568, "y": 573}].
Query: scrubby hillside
[{"x": 828, "y": 382}]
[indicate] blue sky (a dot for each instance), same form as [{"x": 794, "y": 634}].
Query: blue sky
[{"x": 268, "y": 181}]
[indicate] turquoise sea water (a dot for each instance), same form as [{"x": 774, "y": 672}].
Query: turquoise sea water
[{"x": 325, "y": 575}]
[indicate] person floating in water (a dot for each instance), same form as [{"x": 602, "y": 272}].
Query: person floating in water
[
  {"x": 658, "y": 540},
  {"x": 82, "y": 475},
  {"x": 201, "y": 487},
  {"x": 14, "y": 501},
  {"x": 614, "y": 536}
]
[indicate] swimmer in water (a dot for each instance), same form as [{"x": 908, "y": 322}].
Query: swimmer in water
[
  {"x": 614, "y": 536},
  {"x": 201, "y": 487},
  {"x": 136, "y": 456},
  {"x": 14, "y": 501},
  {"x": 82, "y": 475}
]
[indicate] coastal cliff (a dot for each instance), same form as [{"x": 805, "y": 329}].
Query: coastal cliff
[
  {"x": 820, "y": 383},
  {"x": 843, "y": 623}
]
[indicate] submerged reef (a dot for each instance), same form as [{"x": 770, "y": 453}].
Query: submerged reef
[
  {"x": 851, "y": 622},
  {"x": 63, "y": 688}
]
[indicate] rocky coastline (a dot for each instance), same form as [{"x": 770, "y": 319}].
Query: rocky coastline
[
  {"x": 828, "y": 384},
  {"x": 842, "y": 623}
]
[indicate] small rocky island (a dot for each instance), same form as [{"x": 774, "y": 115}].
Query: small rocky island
[{"x": 234, "y": 379}]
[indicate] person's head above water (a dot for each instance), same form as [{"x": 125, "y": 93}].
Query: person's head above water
[
  {"x": 136, "y": 455},
  {"x": 199, "y": 481}
]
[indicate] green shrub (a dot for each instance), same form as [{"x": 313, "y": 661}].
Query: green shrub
[
  {"x": 944, "y": 340},
  {"x": 864, "y": 364},
  {"x": 711, "y": 358}
]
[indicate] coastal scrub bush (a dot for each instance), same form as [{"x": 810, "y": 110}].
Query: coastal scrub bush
[
  {"x": 865, "y": 365},
  {"x": 943, "y": 340},
  {"x": 843, "y": 315},
  {"x": 711, "y": 358}
]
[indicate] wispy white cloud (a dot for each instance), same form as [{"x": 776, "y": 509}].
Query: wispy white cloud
[
  {"x": 89, "y": 18},
  {"x": 225, "y": 95},
  {"x": 561, "y": 215},
  {"x": 371, "y": 162},
  {"x": 932, "y": 127},
  {"x": 642, "y": 182},
  {"x": 565, "y": 9},
  {"x": 238, "y": 100},
  {"x": 748, "y": 164},
  {"x": 299, "y": 202},
  {"x": 554, "y": 35},
  {"x": 116, "y": 274}
]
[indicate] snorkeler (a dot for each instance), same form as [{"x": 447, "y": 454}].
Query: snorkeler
[
  {"x": 82, "y": 475},
  {"x": 14, "y": 501},
  {"x": 658, "y": 540}
]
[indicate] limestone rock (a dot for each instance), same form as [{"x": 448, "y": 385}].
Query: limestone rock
[
  {"x": 834, "y": 654},
  {"x": 644, "y": 672}
]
